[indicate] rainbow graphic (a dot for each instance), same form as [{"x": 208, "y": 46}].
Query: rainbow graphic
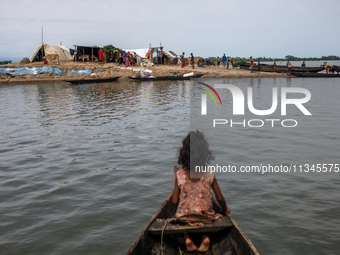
[{"x": 209, "y": 93}]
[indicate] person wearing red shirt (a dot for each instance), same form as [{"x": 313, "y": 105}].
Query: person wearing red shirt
[{"x": 251, "y": 64}]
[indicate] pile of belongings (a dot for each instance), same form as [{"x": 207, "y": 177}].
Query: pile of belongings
[{"x": 146, "y": 63}]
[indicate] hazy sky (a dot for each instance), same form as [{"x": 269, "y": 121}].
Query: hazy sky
[{"x": 207, "y": 28}]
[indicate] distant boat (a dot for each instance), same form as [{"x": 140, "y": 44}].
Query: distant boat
[
  {"x": 92, "y": 80},
  {"x": 282, "y": 69},
  {"x": 229, "y": 239},
  {"x": 166, "y": 78},
  {"x": 316, "y": 75}
]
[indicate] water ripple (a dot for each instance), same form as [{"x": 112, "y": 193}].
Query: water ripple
[{"x": 83, "y": 168}]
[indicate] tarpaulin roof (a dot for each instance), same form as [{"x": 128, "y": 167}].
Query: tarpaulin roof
[
  {"x": 140, "y": 52},
  {"x": 62, "y": 51},
  {"x": 169, "y": 55}
]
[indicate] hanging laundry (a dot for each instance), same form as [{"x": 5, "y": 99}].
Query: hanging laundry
[{"x": 101, "y": 55}]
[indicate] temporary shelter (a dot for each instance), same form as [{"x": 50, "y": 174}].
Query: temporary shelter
[
  {"x": 91, "y": 51},
  {"x": 163, "y": 57},
  {"x": 170, "y": 58},
  {"x": 45, "y": 49},
  {"x": 140, "y": 52}
]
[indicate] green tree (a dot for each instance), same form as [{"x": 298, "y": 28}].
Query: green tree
[
  {"x": 111, "y": 49},
  {"x": 5, "y": 62}
]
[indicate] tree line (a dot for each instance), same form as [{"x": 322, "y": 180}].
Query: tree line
[{"x": 5, "y": 62}]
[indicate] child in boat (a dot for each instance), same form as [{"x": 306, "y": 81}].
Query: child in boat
[{"x": 193, "y": 193}]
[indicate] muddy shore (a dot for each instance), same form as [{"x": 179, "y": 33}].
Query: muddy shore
[{"x": 105, "y": 70}]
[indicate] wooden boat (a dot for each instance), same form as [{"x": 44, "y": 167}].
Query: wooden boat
[
  {"x": 166, "y": 78},
  {"x": 316, "y": 75},
  {"x": 229, "y": 239},
  {"x": 92, "y": 80},
  {"x": 282, "y": 69}
]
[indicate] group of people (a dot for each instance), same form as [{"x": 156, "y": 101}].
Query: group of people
[
  {"x": 128, "y": 59},
  {"x": 288, "y": 65},
  {"x": 251, "y": 67},
  {"x": 226, "y": 61},
  {"x": 192, "y": 60}
]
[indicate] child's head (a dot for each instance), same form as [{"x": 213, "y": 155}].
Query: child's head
[{"x": 195, "y": 149}]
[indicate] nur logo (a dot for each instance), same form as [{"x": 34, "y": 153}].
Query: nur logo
[
  {"x": 204, "y": 97},
  {"x": 239, "y": 99}
]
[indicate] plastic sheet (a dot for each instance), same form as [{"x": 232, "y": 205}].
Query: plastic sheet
[
  {"x": 39, "y": 70},
  {"x": 72, "y": 71},
  {"x": 87, "y": 71},
  {"x": 188, "y": 74},
  {"x": 80, "y": 72},
  {"x": 30, "y": 71}
]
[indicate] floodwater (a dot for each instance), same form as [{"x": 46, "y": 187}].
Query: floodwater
[{"x": 84, "y": 167}]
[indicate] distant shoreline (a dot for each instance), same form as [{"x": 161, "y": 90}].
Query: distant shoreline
[
  {"x": 106, "y": 70},
  {"x": 261, "y": 59}
]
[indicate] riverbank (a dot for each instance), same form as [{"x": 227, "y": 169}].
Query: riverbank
[{"x": 105, "y": 70}]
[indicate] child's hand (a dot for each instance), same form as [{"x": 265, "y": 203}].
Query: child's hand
[{"x": 225, "y": 212}]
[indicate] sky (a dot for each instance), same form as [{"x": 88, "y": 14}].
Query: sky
[{"x": 265, "y": 28}]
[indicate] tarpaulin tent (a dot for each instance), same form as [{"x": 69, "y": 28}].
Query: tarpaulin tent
[
  {"x": 140, "y": 52},
  {"x": 45, "y": 49}
]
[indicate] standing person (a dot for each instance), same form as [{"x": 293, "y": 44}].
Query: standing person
[
  {"x": 135, "y": 59},
  {"x": 274, "y": 67},
  {"x": 227, "y": 62},
  {"x": 326, "y": 66},
  {"x": 251, "y": 67},
  {"x": 303, "y": 64},
  {"x": 163, "y": 57},
  {"x": 192, "y": 61},
  {"x": 224, "y": 60},
  {"x": 193, "y": 194},
  {"x": 127, "y": 60},
  {"x": 230, "y": 62},
  {"x": 289, "y": 68},
  {"x": 184, "y": 64},
  {"x": 218, "y": 60},
  {"x": 259, "y": 66}
]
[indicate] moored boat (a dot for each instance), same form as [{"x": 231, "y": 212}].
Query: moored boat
[
  {"x": 316, "y": 75},
  {"x": 166, "y": 78},
  {"x": 92, "y": 80},
  {"x": 282, "y": 69},
  {"x": 228, "y": 239}
]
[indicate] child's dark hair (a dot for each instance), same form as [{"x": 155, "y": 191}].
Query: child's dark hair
[{"x": 199, "y": 151}]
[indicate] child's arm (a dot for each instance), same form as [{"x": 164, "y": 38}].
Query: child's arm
[
  {"x": 175, "y": 195},
  {"x": 219, "y": 197}
]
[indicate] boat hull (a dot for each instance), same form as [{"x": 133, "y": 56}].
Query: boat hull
[
  {"x": 230, "y": 240},
  {"x": 94, "y": 80},
  {"x": 282, "y": 69},
  {"x": 316, "y": 75}
]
